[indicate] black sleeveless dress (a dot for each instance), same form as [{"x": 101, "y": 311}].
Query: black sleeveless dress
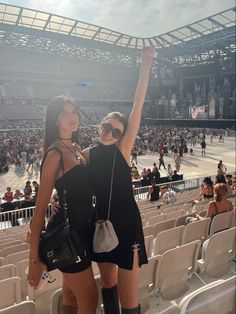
[
  {"x": 124, "y": 215},
  {"x": 79, "y": 200}
]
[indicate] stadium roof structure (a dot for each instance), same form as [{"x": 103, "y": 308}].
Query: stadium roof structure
[{"x": 201, "y": 35}]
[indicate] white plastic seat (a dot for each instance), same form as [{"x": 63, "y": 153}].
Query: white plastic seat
[
  {"x": 25, "y": 307},
  {"x": 147, "y": 281},
  {"x": 216, "y": 297},
  {"x": 20, "y": 272},
  {"x": 9, "y": 243},
  {"x": 170, "y": 310},
  {"x": 10, "y": 291},
  {"x": 16, "y": 257},
  {"x": 155, "y": 219},
  {"x": 167, "y": 239},
  {"x": 14, "y": 249},
  {"x": 148, "y": 245},
  {"x": 147, "y": 231},
  {"x": 217, "y": 251},
  {"x": 221, "y": 222},
  {"x": 176, "y": 266},
  {"x": 197, "y": 230},
  {"x": 161, "y": 226},
  {"x": 7, "y": 271},
  {"x": 175, "y": 214}
]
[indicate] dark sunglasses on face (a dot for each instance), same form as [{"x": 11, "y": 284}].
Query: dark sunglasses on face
[{"x": 107, "y": 128}]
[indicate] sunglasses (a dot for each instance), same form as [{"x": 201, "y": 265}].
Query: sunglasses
[{"x": 107, "y": 128}]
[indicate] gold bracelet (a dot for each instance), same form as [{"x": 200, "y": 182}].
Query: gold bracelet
[{"x": 34, "y": 260}]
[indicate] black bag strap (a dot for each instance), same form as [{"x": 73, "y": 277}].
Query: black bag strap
[
  {"x": 65, "y": 206},
  {"x": 111, "y": 187}
]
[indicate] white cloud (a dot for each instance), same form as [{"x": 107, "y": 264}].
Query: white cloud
[{"x": 141, "y": 18}]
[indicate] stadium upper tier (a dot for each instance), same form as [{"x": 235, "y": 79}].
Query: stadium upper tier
[{"x": 19, "y": 25}]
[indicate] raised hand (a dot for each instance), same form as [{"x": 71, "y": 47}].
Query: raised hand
[{"x": 148, "y": 55}]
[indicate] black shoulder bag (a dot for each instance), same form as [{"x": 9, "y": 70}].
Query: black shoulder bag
[{"x": 61, "y": 246}]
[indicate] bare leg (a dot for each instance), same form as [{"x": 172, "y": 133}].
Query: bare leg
[{"x": 84, "y": 288}]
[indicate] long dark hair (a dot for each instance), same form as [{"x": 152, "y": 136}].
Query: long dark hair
[{"x": 54, "y": 108}]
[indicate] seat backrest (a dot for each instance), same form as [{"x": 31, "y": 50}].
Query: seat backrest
[
  {"x": 147, "y": 230},
  {"x": 16, "y": 257},
  {"x": 25, "y": 307},
  {"x": 175, "y": 268},
  {"x": 167, "y": 239},
  {"x": 161, "y": 226},
  {"x": 221, "y": 222},
  {"x": 14, "y": 249},
  {"x": 169, "y": 209},
  {"x": 175, "y": 214},
  {"x": 197, "y": 230},
  {"x": 7, "y": 271},
  {"x": 10, "y": 291},
  {"x": 217, "y": 251},
  {"x": 155, "y": 219},
  {"x": 148, "y": 245},
  {"x": 216, "y": 297},
  {"x": 181, "y": 220},
  {"x": 21, "y": 272},
  {"x": 174, "y": 309},
  {"x": 56, "y": 302},
  {"x": 9, "y": 243}
]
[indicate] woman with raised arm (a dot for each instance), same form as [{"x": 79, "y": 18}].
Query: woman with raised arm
[
  {"x": 117, "y": 136},
  {"x": 64, "y": 168}
]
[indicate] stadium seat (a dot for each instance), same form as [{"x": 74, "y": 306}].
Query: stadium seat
[
  {"x": 9, "y": 243},
  {"x": 16, "y": 257},
  {"x": 161, "y": 226},
  {"x": 14, "y": 249},
  {"x": 181, "y": 220},
  {"x": 167, "y": 239},
  {"x": 147, "y": 230},
  {"x": 170, "y": 310},
  {"x": 7, "y": 271},
  {"x": 217, "y": 252},
  {"x": 147, "y": 281},
  {"x": 197, "y": 230},
  {"x": 175, "y": 214},
  {"x": 25, "y": 307},
  {"x": 216, "y": 297},
  {"x": 176, "y": 266},
  {"x": 155, "y": 219},
  {"x": 148, "y": 245},
  {"x": 10, "y": 291},
  {"x": 20, "y": 272},
  {"x": 221, "y": 222}
]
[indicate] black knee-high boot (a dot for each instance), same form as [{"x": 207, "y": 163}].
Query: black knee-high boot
[
  {"x": 110, "y": 300},
  {"x": 136, "y": 310}
]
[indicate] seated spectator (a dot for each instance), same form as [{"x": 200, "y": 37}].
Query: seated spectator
[
  {"x": 27, "y": 189},
  {"x": 220, "y": 204},
  {"x": 36, "y": 188},
  {"x": 18, "y": 194},
  {"x": 221, "y": 179},
  {"x": 168, "y": 196},
  {"x": 153, "y": 192},
  {"x": 8, "y": 196},
  {"x": 206, "y": 188},
  {"x": 175, "y": 176},
  {"x": 144, "y": 180}
]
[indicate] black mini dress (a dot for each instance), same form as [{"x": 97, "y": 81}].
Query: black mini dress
[{"x": 124, "y": 214}]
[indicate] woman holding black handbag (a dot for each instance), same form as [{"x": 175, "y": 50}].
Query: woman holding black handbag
[
  {"x": 115, "y": 203},
  {"x": 65, "y": 169}
]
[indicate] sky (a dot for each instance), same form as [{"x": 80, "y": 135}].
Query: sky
[{"x": 141, "y": 18}]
